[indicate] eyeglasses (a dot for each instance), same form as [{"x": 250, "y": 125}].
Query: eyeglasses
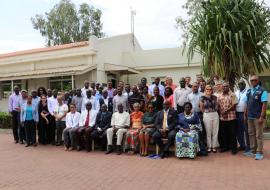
[
  {"x": 253, "y": 80},
  {"x": 209, "y": 89}
]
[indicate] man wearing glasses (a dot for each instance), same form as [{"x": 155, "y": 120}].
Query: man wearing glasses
[{"x": 255, "y": 114}]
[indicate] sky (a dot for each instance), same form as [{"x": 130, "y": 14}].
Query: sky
[{"x": 155, "y": 25}]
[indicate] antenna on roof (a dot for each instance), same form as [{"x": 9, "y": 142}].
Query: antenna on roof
[{"x": 132, "y": 14}]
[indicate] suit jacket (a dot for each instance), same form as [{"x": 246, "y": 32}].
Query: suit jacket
[
  {"x": 110, "y": 104},
  {"x": 105, "y": 122},
  {"x": 171, "y": 119}
]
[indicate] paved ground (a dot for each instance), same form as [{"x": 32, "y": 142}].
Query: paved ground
[{"x": 47, "y": 167}]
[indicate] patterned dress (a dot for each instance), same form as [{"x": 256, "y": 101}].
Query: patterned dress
[{"x": 133, "y": 132}]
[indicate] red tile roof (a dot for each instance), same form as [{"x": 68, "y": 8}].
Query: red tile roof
[{"x": 45, "y": 49}]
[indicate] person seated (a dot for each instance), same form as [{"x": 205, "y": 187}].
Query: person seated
[
  {"x": 165, "y": 124},
  {"x": 148, "y": 129},
  {"x": 103, "y": 122},
  {"x": 120, "y": 124},
  {"x": 133, "y": 132},
  {"x": 72, "y": 123},
  {"x": 86, "y": 125},
  {"x": 189, "y": 124}
]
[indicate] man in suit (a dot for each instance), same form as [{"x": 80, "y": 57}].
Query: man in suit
[
  {"x": 165, "y": 123},
  {"x": 103, "y": 122}
]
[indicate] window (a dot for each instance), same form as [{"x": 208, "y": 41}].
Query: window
[
  {"x": 63, "y": 83},
  {"x": 6, "y": 87}
]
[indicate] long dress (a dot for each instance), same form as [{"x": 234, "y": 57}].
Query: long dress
[
  {"x": 187, "y": 143},
  {"x": 133, "y": 132},
  {"x": 43, "y": 127}
]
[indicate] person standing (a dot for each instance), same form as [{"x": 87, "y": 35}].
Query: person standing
[
  {"x": 43, "y": 124},
  {"x": 228, "y": 128},
  {"x": 255, "y": 114},
  {"x": 169, "y": 83},
  {"x": 180, "y": 95},
  {"x": 89, "y": 98},
  {"x": 120, "y": 99},
  {"x": 120, "y": 123},
  {"x": 72, "y": 123},
  {"x": 242, "y": 132},
  {"x": 60, "y": 113},
  {"x": 78, "y": 99},
  {"x": 110, "y": 89},
  {"x": 128, "y": 91},
  {"x": 29, "y": 118},
  {"x": 23, "y": 102},
  {"x": 165, "y": 123},
  {"x": 52, "y": 103},
  {"x": 14, "y": 110},
  {"x": 158, "y": 85},
  {"x": 209, "y": 108},
  {"x": 135, "y": 98},
  {"x": 157, "y": 100},
  {"x": 85, "y": 88},
  {"x": 86, "y": 125}
]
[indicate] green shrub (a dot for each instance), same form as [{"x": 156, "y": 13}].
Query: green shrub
[{"x": 5, "y": 120}]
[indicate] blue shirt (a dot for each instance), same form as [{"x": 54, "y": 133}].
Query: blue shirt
[
  {"x": 264, "y": 97},
  {"x": 29, "y": 113}
]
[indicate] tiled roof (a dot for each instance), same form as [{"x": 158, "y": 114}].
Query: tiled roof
[{"x": 45, "y": 49}]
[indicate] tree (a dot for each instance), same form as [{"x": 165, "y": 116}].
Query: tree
[
  {"x": 232, "y": 36},
  {"x": 64, "y": 24}
]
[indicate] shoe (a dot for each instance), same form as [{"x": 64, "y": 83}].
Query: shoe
[
  {"x": 223, "y": 150},
  {"x": 241, "y": 148},
  {"x": 248, "y": 154},
  {"x": 79, "y": 148},
  {"x": 234, "y": 152},
  {"x": 21, "y": 142},
  {"x": 209, "y": 150},
  {"x": 119, "y": 150},
  {"x": 34, "y": 144},
  {"x": 258, "y": 156},
  {"x": 214, "y": 150},
  {"x": 57, "y": 144},
  {"x": 109, "y": 150},
  {"x": 27, "y": 145},
  {"x": 16, "y": 141},
  {"x": 162, "y": 155}
]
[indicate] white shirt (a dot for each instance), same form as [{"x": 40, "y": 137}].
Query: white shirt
[
  {"x": 72, "y": 120},
  {"x": 61, "y": 110},
  {"x": 160, "y": 87},
  {"x": 119, "y": 120},
  {"x": 92, "y": 119},
  {"x": 180, "y": 96},
  {"x": 92, "y": 100},
  {"x": 120, "y": 100},
  {"x": 128, "y": 94},
  {"x": 84, "y": 91},
  {"x": 52, "y": 103},
  {"x": 240, "y": 107},
  {"x": 194, "y": 99}
]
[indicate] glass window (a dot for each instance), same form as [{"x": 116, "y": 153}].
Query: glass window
[{"x": 63, "y": 83}]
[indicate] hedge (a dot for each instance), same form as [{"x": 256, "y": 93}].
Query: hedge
[{"x": 5, "y": 120}]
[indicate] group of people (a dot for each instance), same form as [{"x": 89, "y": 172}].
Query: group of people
[{"x": 199, "y": 118}]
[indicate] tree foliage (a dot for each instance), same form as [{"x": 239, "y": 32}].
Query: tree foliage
[
  {"x": 232, "y": 36},
  {"x": 65, "y": 24}
]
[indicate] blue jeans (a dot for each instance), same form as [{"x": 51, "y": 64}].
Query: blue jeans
[{"x": 242, "y": 131}]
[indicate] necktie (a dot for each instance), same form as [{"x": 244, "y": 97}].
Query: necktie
[
  {"x": 87, "y": 120},
  {"x": 164, "y": 120}
]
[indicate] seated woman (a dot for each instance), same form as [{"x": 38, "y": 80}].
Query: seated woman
[
  {"x": 148, "y": 129},
  {"x": 136, "y": 124},
  {"x": 187, "y": 138}
]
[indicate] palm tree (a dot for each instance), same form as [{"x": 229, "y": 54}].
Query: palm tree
[{"x": 232, "y": 36}]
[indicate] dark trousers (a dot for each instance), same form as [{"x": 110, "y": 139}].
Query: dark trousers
[
  {"x": 100, "y": 137},
  {"x": 83, "y": 137},
  {"x": 43, "y": 132},
  {"x": 180, "y": 109},
  {"x": 157, "y": 136},
  {"x": 15, "y": 124},
  {"x": 228, "y": 130},
  {"x": 51, "y": 130},
  {"x": 21, "y": 132},
  {"x": 60, "y": 126},
  {"x": 30, "y": 132},
  {"x": 203, "y": 132},
  {"x": 242, "y": 132}
]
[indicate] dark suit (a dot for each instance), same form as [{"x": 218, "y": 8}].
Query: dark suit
[
  {"x": 171, "y": 122},
  {"x": 103, "y": 122},
  {"x": 110, "y": 103}
]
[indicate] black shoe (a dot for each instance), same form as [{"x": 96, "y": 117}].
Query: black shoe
[
  {"x": 53, "y": 143},
  {"x": 21, "y": 142},
  {"x": 119, "y": 150},
  {"x": 223, "y": 150},
  {"x": 27, "y": 145},
  {"x": 34, "y": 144},
  {"x": 234, "y": 152},
  {"x": 57, "y": 144},
  {"x": 16, "y": 141},
  {"x": 109, "y": 150},
  {"x": 241, "y": 148},
  {"x": 162, "y": 155},
  {"x": 79, "y": 148}
]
